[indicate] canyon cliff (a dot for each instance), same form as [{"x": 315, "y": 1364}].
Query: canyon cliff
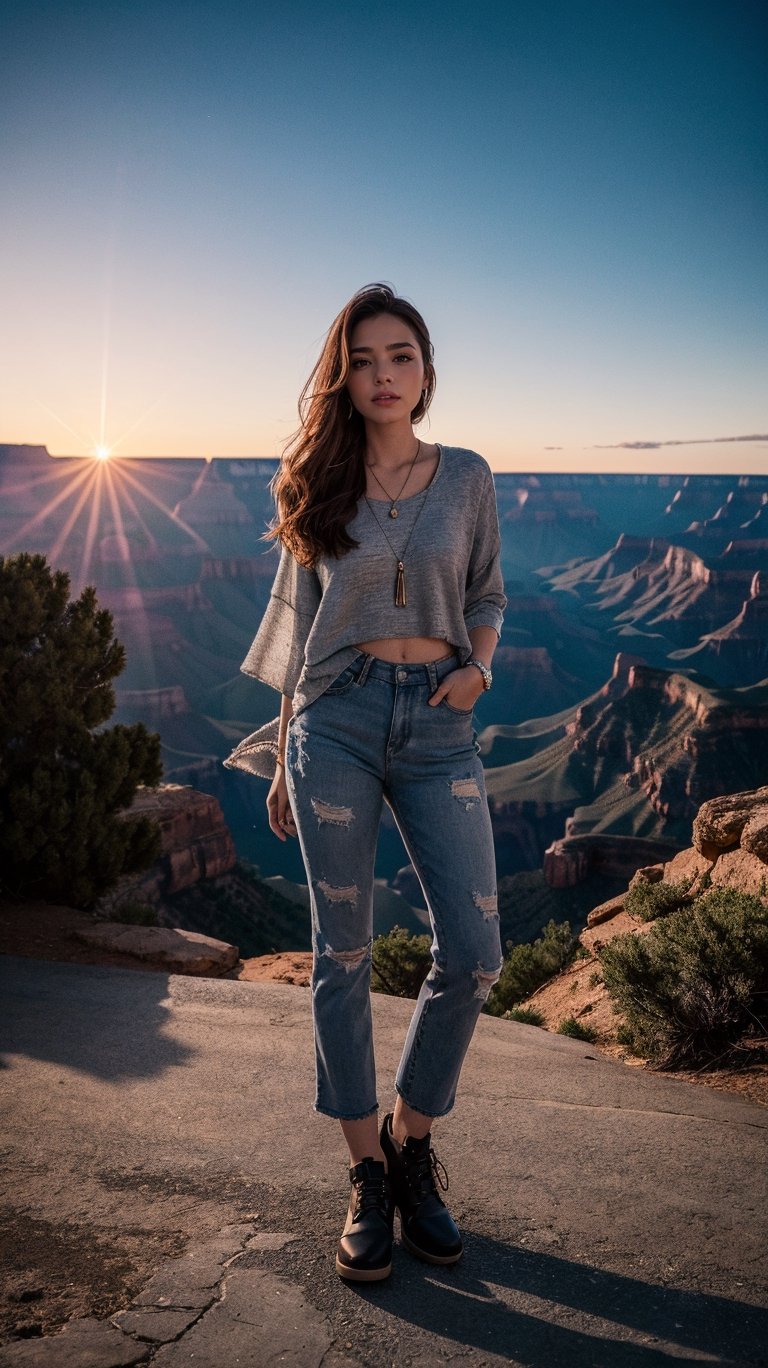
[{"x": 179, "y": 560}]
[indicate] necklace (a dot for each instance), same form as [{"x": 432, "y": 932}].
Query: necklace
[
  {"x": 400, "y": 599},
  {"x": 393, "y": 512}
]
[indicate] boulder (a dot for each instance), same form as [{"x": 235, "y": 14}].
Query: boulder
[
  {"x": 177, "y": 951},
  {"x": 720, "y": 823}
]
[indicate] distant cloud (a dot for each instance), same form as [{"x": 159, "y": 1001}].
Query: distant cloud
[
  {"x": 687, "y": 441},
  {"x": 553, "y": 448}
]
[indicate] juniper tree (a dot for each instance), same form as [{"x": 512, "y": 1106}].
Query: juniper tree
[{"x": 65, "y": 778}]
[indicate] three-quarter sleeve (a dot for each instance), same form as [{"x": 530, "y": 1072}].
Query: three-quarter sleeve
[
  {"x": 276, "y": 655},
  {"x": 484, "y": 599}
]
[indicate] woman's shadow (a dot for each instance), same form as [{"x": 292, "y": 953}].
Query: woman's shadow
[{"x": 542, "y": 1310}]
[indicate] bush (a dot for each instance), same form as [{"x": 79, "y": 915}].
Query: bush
[
  {"x": 400, "y": 962},
  {"x": 529, "y": 965},
  {"x": 528, "y": 1015},
  {"x": 64, "y": 778},
  {"x": 647, "y": 901},
  {"x": 569, "y": 1026},
  {"x": 693, "y": 984}
]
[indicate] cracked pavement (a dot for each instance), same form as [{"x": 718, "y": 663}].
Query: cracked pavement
[{"x": 170, "y": 1197}]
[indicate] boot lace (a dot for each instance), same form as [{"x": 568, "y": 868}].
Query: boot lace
[
  {"x": 370, "y": 1193},
  {"x": 421, "y": 1170}
]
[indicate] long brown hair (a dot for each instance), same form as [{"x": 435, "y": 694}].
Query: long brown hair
[{"x": 321, "y": 475}]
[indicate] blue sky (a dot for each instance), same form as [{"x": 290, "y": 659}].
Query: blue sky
[{"x": 573, "y": 194}]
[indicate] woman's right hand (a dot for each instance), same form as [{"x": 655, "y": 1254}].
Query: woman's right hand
[{"x": 281, "y": 819}]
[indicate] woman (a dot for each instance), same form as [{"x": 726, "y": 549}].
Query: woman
[{"x": 384, "y": 614}]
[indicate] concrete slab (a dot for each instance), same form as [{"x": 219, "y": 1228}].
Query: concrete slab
[
  {"x": 84, "y": 1343},
  {"x": 610, "y": 1216},
  {"x": 262, "y": 1321}
]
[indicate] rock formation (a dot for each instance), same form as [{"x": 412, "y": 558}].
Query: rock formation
[
  {"x": 730, "y": 850},
  {"x": 572, "y": 860},
  {"x": 635, "y": 760},
  {"x": 737, "y": 653},
  {"x": 196, "y": 843},
  {"x": 212, "y": 502}
]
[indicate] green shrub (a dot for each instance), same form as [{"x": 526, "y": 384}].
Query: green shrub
[
  {"x": 529, "y": 965},
  {"x": 569, "y": 1026},
  {"x": 647, "y": 901},
  {"x": 692, "y": 985},
  {"x": 528, "y": 1015},
  {"x": 400, "y": 962},
  {"x": 595, "y": 978},
  {"x": 66, "y": 779}
]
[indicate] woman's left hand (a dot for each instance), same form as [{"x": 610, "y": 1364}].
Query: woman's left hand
[{"x": 461, "y": 687}]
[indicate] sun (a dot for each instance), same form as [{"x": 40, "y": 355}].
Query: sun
[{"x": 102, "y": 453}]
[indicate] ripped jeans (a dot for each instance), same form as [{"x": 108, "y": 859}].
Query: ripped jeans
[{"x": 370, "y": 738}]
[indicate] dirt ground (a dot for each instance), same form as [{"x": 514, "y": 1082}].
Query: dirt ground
[{"x": 575, "y": 993}]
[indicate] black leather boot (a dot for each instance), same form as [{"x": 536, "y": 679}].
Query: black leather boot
[
  {"x": 427, "y": 1227},
  {"x": 365, "y": 1247}
]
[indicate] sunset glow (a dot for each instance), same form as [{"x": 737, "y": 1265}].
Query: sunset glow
[{"x": 86, "y": 488}]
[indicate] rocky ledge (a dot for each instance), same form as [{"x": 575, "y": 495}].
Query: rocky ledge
[
  {"x": 168, "y": 948},
  {"x": 729, "y": 850}
]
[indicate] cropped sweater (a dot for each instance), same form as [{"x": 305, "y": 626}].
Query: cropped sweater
[{"x": 314, "y": 617}]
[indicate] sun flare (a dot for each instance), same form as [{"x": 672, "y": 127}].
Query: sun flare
[{"x": 102, "y": 453}]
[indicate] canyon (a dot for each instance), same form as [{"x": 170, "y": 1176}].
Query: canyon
[{"x": 629, "y": 682}]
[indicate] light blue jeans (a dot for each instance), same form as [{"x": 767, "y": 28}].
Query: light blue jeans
[{"x": 370, "y": 738}]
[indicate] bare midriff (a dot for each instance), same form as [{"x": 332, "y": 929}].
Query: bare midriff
[{"x": 406, "y": 650}]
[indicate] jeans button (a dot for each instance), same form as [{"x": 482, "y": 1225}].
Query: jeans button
[{"x": 402, "y": 675}]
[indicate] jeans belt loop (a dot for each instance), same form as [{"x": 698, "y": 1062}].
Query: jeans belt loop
[
  {"x": 363, "y": 675},
  {"x": 432, "y": 672}
]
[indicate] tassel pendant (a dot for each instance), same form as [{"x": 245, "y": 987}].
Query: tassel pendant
[{"x": 400, "y": 586}]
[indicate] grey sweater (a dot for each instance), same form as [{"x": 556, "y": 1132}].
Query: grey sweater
[{"x": 314, "y": 617}]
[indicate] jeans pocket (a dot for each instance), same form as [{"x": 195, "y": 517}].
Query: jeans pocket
[
  {"x": 460, "y": 712},
  {"x": 342, "y": 682}
]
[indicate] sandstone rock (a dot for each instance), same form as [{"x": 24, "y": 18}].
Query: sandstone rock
[
  {"x": 721, "y": 821},
  {"x": 180, "y": 952},
  {"x": 742, "y": 870},
  {"x": 196, "y": 843},
  {"x": 569, "y": 861},
  {"x": 754, "y": 837},
  {"x": 688, "y": 864},
  {"x": 290, "y": 966},
  {"x": 648, "y": 874},
  {"x": 606, "y": 911}
]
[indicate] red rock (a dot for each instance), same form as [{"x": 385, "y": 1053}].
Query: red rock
[
  {"x": 290, "y": 966},
  {"x": 196, "y": 841},
  {"x": 720, "y": 822}
]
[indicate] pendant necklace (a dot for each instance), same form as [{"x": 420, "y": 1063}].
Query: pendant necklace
[
  {"x": 393, "y": 512},
  {"x": 400, "y": 596}
]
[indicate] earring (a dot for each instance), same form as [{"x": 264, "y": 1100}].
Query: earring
[{"x": 351, "y": 408}]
